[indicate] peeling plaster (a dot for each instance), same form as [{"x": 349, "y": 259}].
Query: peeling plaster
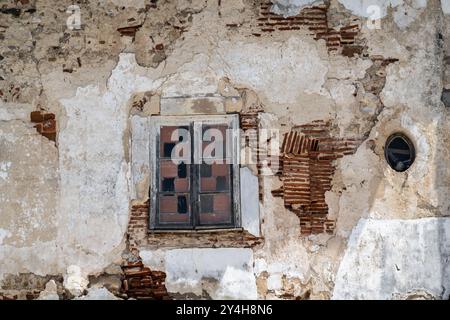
[
  {"x": 362, "y": 7},
  {"x": 229, "y": 269},
  {"x": 96, "y": 197},
  {"x": 4, "y": 234},
  {"x": 445, "y": 6},
  {"x": 282, "y": 71},
  {"x": 68, "y": 204},
  {"x": 385, "y": 257},
  {"x": 288, "y": 8}
]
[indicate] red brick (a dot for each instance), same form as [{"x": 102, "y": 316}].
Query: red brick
[
  {"x": 308, "y": 153},
  {"x": 36, "y": 116}
]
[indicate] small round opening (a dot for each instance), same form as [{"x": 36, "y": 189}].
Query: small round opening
[{"x": 399, "y": 152}]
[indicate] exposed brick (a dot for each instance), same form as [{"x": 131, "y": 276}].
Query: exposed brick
[
  {"x": 308, "y": 153},
  {"x": 129, "y": 31},
  {"x": 36, "y": 116},
  {"x": 140, "y": 282},
  {"x": 45, "y": 124},
  {"x": 350, "y": 51},
  {"x": 314, "y": 19},
  {"x": 49, "y": 126},
  {"x": 249, "y": 123}
]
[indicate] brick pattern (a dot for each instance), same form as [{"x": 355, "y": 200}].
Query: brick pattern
[
  {"x": 249, "y": 123},
  {"x": 315, "y": 20},
  {"x": 307, "y": 154},
  {"x": 138, "y": 226},
  {"x": 141, "y": 283},
  {"x": 45, "y": 124},
  {"x": 249, "y": 120}
]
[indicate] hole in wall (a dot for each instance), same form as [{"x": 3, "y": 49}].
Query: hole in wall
[
  {"x": 399, "y": 152},
  {"x": 446, "y": 97}
]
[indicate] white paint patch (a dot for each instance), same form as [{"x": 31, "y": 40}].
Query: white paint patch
[
  {"x": 98, "y": 294},
  {"x": 193, "y": 78},
  {"x": 230, "y": 268},
  {"x": 388, "y": 257},
  {"x": 275, "y": 282},
  {"x": 15, "y": 111},
  {"x": 4, "y": 234},
  {"x": 288, "y": 8},
  {"x": 95, "y": 198},
  {"x": 445, "y": 6},
  {"x": 405, "y": 12},
  {"x": 4, "y": 167},
  {"x": 362, "y": 7},
  {"x": 40, "y": 259},
  {"x": 74, "y": 281},
  {"x": 250, "y": 201},
  {"x": 282, "y": 71},
  {"x": 154, "y": 259},
  {"x": 140, "y": 150}
]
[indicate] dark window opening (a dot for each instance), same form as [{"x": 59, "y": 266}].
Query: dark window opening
[
  {"x": 182, "y": 170},
  {"x": 182, "y": 204},
  {"x": 399, "y": 152},
  {"x": 168, "y": 147},
  {"x": 168, "y": 184}
]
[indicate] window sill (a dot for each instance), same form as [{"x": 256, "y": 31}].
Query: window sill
[
  {"x": 199, "y": 230},
  {"x": 140, "y": 236},
  {"x": 203, "y": 238}
]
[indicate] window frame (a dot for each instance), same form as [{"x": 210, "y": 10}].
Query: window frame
[
  {"x": 195, "y": 124},
  {"x": 389, "y": 151}
]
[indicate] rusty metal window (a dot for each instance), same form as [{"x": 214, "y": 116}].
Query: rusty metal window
[
  {"x": 399, "y": 152},
  {"x": 195, "y": 173}
]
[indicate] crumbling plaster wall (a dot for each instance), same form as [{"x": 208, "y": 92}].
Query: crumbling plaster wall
[{"x": 68, "y": 203}]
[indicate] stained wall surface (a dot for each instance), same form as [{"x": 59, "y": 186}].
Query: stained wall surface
[{"x": 333, "y": 79}]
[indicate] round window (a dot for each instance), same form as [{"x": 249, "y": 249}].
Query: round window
[{"x": 399, "y": 152}]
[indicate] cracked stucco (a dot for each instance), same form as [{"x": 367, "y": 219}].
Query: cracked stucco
[{"x": 67, "y": 204}]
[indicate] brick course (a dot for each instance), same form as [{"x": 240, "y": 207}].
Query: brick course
[
  {"x": 141, "y": 283},
  {"x": 140, "y": 236},
  {"x": 315, "y": 20},
  {"x": 45, "y": 124},
  {"x": 307, "y": 157}
]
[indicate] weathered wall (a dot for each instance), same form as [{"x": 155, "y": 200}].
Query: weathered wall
[{"x": 74, "y": 206}]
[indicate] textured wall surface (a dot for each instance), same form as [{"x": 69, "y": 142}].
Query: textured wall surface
[{"x": 335, "y": 78}]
